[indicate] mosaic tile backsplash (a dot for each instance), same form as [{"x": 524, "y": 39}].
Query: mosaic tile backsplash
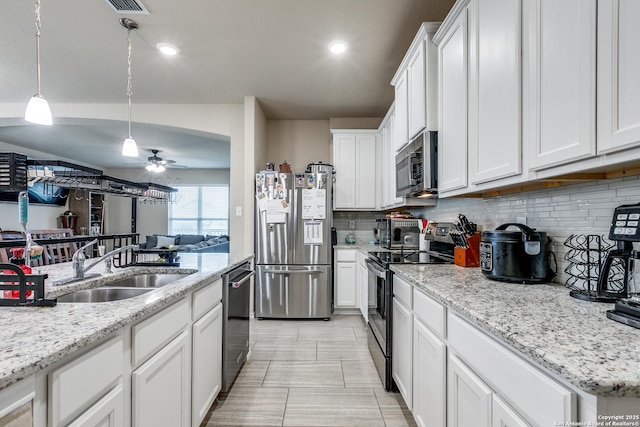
[{"x": 585, "y": 208}]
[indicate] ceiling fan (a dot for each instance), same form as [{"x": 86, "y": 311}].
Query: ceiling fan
[{"x": 158, "y": 164}]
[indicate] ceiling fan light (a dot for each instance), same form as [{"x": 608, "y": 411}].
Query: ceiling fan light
[
  {"x": 160, "y": 168},
  {"x": 130, "y": 148},
  {"x": 151, "y": 167},
  {"x": 38, "y": 111}
]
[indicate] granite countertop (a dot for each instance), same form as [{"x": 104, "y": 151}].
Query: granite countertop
[
  {"x": 567, "y": 336},
  {"x": 34, "y": 338},
  {"x": 362, "y": 246}
]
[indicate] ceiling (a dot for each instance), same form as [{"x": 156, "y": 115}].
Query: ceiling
[{"x": 275, "y": 50}]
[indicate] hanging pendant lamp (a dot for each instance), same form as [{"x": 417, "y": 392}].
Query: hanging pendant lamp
[
  {"x": 129, "y": 147},
  {"x": 38, "y": 110}
]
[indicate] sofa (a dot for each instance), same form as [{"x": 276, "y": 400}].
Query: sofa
[{"x": 187, "y": 243}]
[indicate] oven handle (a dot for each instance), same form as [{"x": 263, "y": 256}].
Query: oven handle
[{"x": 373, "y": 268}]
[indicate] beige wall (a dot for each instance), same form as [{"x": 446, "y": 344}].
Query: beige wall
[{"x": 299, "y": 142}]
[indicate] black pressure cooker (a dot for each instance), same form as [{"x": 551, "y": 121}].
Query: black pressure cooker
[{"x": 518, "y": 256}]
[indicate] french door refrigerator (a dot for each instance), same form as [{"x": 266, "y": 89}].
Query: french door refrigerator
[{"x": 293, "y": 245}]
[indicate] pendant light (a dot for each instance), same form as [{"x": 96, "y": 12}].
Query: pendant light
[
  {"x": 129, "y": 147},
  {"x": 38, "y": 110}
]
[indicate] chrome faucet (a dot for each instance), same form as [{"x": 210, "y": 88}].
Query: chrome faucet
[
  {"x": 107, "y": 258},
  {"x": 78, "y": 259}
]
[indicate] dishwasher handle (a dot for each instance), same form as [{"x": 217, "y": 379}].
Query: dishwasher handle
[
  {"x": 293, "y": 271},
  {"x": 237, "y": 283}
]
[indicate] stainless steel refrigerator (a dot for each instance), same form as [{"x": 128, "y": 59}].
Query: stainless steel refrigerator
[{"x": 293, "y": 245}]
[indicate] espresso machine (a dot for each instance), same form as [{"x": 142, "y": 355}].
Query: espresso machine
[{"x": 620, "y": 275}]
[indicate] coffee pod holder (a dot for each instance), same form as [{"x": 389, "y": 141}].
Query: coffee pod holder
[
  {"x": 585, "y": 257},
  {"x": 468, "y": 256}
]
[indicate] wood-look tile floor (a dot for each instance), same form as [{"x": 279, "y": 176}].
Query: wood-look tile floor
[{"x": 309, "y": 373}]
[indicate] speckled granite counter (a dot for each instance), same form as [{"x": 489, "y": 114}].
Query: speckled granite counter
[
  {"x": 569, "y": 337},
  {"x": 367, "y": 247},
  {"x": 34, "y": 338}
]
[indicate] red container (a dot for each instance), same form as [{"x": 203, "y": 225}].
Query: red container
[{"x": 17, "y": 259}]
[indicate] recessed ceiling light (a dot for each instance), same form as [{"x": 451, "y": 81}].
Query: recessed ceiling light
[
  {"x": 167, "y": 49},
  {"x": 338, "y": 46}
]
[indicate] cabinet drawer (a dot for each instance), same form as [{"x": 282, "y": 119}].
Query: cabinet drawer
[
  {"x": 431, "y": 312},
  {"x": 402, "y": 291},
  {"x": 347, "y": 255},
  {"x": 83, "y": 381},
  {"x": 206, "y": 298},
  {"x": 534, "y": 394},
  {"x": 152, "y": 334}
]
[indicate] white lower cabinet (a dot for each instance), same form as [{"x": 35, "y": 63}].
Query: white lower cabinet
[
  {"x": 363, "y": 283},
  {"x": 89, "y": 388},
  {"x": 469, "y": 399},
  {"x": 429, "y": 377},
  {"x": 17, "y": 402},
  {"x": 346, "y": 279},
  {"x": 402, "y": 348},
  {"x": 207, "y": 363},
  {"x": 472, "y": 403},
  {"x": 161, "y": 386},
  {"x": 504, "y": 416},
  {"x": 107, "y": 412}
]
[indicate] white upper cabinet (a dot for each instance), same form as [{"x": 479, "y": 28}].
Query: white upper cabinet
[
  {"x": 354, "y": 159},
  {"x": 416, "y": 101},
  {"x": 402, "y": 107},
  {"x": 415, "y": 85},
  {"x": 618, "y": 75},
  {"x": 452, "y": 82},
  {"x": 559, "y": 78},
  {"x": 494, "y": 89}
]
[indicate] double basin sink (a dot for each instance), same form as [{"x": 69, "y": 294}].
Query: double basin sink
[{"x": 126, "y": 287}]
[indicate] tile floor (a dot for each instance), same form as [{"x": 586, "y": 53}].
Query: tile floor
[{"x": 309, "y": 373}]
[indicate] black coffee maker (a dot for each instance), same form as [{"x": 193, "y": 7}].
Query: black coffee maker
[{"x": 620, "y": 273}]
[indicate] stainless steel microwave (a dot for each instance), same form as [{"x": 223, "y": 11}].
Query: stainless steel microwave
[{"x": 417, "y": 167}]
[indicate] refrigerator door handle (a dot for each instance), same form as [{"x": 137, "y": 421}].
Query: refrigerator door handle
[
  {"x": 293, "y": 271},
  {"x": 293, "y": 222}
]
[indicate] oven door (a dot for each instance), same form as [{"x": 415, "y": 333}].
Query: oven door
[{"x": 379, "y": 304}]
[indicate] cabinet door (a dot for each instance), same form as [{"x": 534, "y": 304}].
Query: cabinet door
[
  {"x": 161, "y": 387},
  {"x": 494, "y": 89},
  {"x": 618, "y": 75},
  {"x": 402, "y": 350},
  {"x": 207, "y": 363},
  {"x": 468, "y": 398},
  {"x": 363, "y": 279},
  {"x": 417, "y": 92},
  {"x": 344, "y": 160},
  {"x": 17, "y": 404},
  {"x": 504, "y": 416},
  {"x": 402, "y": 119},
  {"x": 365, "y": 166},
  {"x": 346, "y": 288},
  {"x": 107, "y": 412},
  {"x": 452, "y": 134},
  {"x": 429, "y": 377},
  {"x": 559, "y": 81}
]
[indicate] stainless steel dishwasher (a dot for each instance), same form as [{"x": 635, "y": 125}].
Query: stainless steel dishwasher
[{"x": 236, "y": 296}]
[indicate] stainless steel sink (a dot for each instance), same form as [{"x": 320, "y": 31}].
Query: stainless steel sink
[
  {"x": 146, "y": 280},
  {"x": 103, "y": 294}
]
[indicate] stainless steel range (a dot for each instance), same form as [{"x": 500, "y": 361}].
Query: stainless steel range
[{"x": 381, "y": 285}]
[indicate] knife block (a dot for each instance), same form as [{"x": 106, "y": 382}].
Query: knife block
[{"x": 468, "y": 257}]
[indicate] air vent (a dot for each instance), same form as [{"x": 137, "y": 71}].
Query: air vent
[{"x": 128, "y": 6}]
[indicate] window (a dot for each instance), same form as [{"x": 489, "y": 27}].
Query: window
[{"x": 200, "y": 210}]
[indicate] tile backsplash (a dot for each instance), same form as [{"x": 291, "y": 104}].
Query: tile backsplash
[{"x": 584, "y": 208}]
